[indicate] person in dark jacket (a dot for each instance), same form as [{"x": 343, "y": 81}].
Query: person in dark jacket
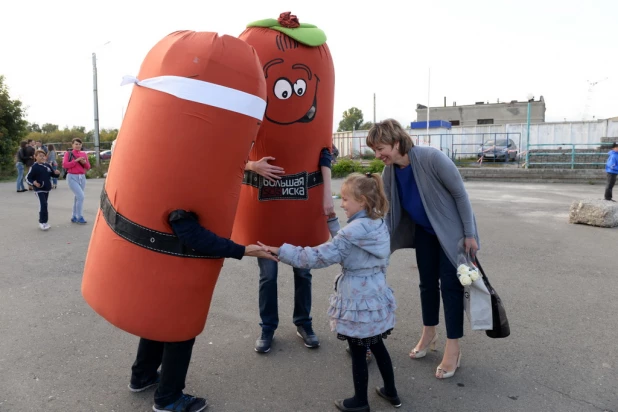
[
  {"x": 174, "y": 357},
  {"x": 611, "y": 168},
  {"x": 39, "y": 176},
  {"x": 20, "y": 161},
  {"x": 28, "y": 155}
]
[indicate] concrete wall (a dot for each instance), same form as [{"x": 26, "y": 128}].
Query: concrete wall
[{"x": 501, "y": 113}]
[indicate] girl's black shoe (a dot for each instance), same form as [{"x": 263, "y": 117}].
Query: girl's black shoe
[
  {"x": 341, "y": 407},
  {"x": 394, "y": 400}
]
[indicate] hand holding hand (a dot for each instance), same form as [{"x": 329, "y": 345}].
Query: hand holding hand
[
  {"x": 471, "y": 246},
  {"x": 259, "y": 252},
  {"x": 265, "y": 169},
  {"x": 269, "y": 249}
]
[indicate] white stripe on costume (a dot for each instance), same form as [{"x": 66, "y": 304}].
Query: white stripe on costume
[{"x": 205, "y": 93}]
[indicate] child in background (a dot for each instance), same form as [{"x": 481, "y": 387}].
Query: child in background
[
  {"x": 362, "y": 307},
  {"x": 39, "y": 176}
]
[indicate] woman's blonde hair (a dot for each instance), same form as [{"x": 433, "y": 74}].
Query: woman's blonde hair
[
  {"x": 389, "y": 132},
  {"x": 368, "y": 189}
]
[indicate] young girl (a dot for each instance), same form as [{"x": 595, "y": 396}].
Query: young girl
[
  {"x": 76, "y": 163},
  {"x": 39, "y": 176},
  {"x": 362, "y": 307}
]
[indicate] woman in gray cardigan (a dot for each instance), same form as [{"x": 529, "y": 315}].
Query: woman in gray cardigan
[{"x": 429, "y": 211}]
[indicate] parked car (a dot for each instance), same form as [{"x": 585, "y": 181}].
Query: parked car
[
  {"x": 105, "y": 155},
  {"x": 498, "y": 149}
]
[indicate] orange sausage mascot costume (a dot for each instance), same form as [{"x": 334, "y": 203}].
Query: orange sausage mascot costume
[
  {"x": 300, "y": 78},
  {"x": 193, "y": 116},
  {"x": 297, "y": 129}
]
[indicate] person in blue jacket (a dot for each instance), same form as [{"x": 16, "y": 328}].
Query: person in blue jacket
[
  {"x": 174, "y": 357},
  {"x": 39, "y": 176},
  {"x": 611, "y": 167}
]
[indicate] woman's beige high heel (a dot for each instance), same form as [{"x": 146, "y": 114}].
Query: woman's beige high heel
[
  {"x": 417, "y": 354},
  {"x": 445, "y": 374}
]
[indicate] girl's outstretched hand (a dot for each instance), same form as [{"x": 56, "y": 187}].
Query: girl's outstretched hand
[
  {"x": 259, "y": 252},
  {"x": 269, "y": 249}
]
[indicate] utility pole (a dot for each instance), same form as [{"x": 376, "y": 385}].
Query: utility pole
[
  {"x": 374, "y": 108},
  {"x": 96, "y": 110}
]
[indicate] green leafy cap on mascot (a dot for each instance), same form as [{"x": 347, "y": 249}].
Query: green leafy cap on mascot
[{"x": 287, "y": 23}]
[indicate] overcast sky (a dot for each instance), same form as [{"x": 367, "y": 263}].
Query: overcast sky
[{"x": 478, "y": 50}]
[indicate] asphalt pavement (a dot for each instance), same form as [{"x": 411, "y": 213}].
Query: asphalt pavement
[{"x": 559, "y": 283}]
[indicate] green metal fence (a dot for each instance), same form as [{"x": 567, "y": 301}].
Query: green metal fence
[{"x": 572, "y": 153}]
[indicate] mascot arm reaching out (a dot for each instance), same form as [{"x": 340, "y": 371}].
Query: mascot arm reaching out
[{"x": 193, "y": 235}]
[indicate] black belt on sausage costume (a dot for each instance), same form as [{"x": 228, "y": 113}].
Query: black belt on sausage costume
[
  {"x": 253, "y": 179},
  {"x": 139, "y": 235}
]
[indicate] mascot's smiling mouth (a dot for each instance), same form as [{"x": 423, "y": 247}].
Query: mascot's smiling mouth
[{"x": 309, "y": 116}]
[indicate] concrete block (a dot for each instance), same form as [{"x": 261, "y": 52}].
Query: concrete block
[{"x": 594, "y": 212}]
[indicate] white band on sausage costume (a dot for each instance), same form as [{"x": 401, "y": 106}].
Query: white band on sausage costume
[{"x": 205, "y": 93}]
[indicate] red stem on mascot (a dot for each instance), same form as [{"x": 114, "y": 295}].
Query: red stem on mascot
[{"x": 300, "y": 78}]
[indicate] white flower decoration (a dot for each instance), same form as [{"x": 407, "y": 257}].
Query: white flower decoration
[
  {"x": 465, "y": 280},
  {"x": 474, "y": 275},
  {"x": 462, "y": 269}
]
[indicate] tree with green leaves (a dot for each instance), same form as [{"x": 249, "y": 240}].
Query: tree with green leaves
[
  {"x": 13, "y": 127},
  {"x": 49, "y": 128},
  {"x": 34, "y": 127},
  {"x": 366, "y": 126},
  {"x": 352, "y": 120}
]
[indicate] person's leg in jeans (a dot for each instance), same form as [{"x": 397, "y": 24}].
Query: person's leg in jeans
[
  {"x": 428, "y": 262},
  {"x": 20, "y": 176},
  {"x": 174, "y": 367},
  {"x": 42, "y": 206},
  {"x": 54, "y": 178},
  {"x": 269, "y": 310},
  {"x": 609, "y": 186},
  {"x": 302, "y": 297},
  {"x": 80, "y": 205},
  {"x": 147, "y": 361},
  {"x": 302, "y": 308},
  {"x": 77, "y": 188}
]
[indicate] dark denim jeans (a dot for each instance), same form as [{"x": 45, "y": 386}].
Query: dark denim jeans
[
  {"x": 173, "y": 357},
  {"x": 269, "y": 311},
  {"x": 611, "y": 181},
  {"x": 20, "y": 176},
  {"x": 437, "y": 273}
]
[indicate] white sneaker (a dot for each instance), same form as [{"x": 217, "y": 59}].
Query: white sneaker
[
  {"x": 43, "y": 226},
  {"x": 46, "y": 226}
]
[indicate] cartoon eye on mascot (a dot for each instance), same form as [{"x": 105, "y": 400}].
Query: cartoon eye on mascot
[
  {"x": 297, "y": 126},
  {"x": 198, "y": 102}
]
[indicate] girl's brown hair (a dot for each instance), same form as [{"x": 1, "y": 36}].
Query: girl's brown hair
[
  {"x": 389, "y": 132},
  {"x": 50, "y": 147},
  {"x": 368, "y": 189},
  {"x": 76, "y": 140}
]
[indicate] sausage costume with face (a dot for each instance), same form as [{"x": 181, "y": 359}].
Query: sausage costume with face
[
  {"x": 193, "y": 115},
  {"x": 300, "y": 79}
]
